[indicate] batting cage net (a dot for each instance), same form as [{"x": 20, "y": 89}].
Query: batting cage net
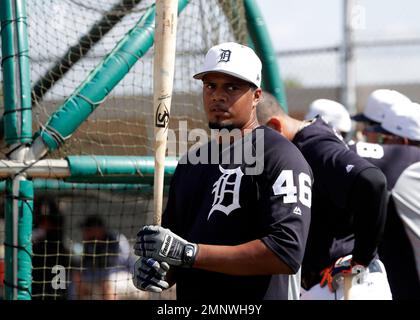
[
  {"x": 69, "y": 38},
  {"x": 83, "y": 233}
]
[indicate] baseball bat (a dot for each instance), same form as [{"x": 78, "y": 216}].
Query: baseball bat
[
  {"x": 348, "y": 284},
  {"x": 163, "y": 75}
]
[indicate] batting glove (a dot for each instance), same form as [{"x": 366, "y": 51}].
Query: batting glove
[
  {"x": 149, "y": 275},
  {"x": 333, "y": 276},
  {"x": 163, "y": 245}
]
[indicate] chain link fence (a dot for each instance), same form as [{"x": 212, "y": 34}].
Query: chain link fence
[{"x": 386, "y": 47}]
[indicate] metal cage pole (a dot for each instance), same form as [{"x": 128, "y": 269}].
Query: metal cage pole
[{"x": 18, "y": 132}]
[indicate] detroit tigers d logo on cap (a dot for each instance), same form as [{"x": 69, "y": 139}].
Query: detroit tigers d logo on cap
[
  {"x": 225, "y": 55},
  {"x": 233, "y": 59}
]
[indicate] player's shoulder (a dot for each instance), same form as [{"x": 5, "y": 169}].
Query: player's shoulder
[
  {"x": 347, "y": 155},
  {"x": 274, "y": 142},
  {"x": 272, "y": 139},
  {"x": 280, "y": 152},
  {"x": 325, "y": 150},
  {"x": 317, "y": 130},
  {"x": 410, "y": 153},
  {"x": 319, "y": 140}
]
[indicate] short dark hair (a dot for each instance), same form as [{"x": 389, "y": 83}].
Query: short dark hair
[{"x": 268, "y": 107}]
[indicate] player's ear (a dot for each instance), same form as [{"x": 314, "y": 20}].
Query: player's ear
[
  {"x": 275, "y": 124},
  {"x": 257, "y": 96}
]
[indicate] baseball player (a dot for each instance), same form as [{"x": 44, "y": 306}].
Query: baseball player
[
  {"x": 378, "y": 103},
  {"x": 332, "y": 112},
  {"x": 231, "y": 230},
  {"x": 398, "y": 157},
  {"x": 348, "y": 209}
]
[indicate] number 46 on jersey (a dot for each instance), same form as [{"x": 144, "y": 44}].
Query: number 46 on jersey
[{"x": 285, "y": 185}]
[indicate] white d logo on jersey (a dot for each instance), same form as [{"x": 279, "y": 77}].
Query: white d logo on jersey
[{"x": 229, "y": 182}]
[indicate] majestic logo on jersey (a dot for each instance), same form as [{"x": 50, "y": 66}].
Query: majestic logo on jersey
[
  {"x": 225, "y": 55},
  {"x": 349, "y": 167},
  {"x": 226, "y": 191},
  {"x": 297, "y": 211}
]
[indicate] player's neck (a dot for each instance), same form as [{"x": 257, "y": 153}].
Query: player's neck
[
  {"x": 251, "y": 125},
  {"x": 293, "y": 126}
]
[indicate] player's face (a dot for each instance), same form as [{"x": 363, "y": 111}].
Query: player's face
[
  {"x": 365, "y": 131},
  {"x": 229, "y": 102},
  {"x": 370, "y": 135},
  {"x": 389, "y": 139},
  {"x": 382, "y": 138}
]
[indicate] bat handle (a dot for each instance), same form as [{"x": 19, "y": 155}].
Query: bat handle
[{"x": 348, "y": 284}]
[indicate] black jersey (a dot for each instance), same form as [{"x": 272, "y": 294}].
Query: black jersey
[
  {"x": 336, "y": 170},
  {"x": 396, "y": 250},
  {"x": 219, "y": 204},
  {"x": 392, "y": 159}
]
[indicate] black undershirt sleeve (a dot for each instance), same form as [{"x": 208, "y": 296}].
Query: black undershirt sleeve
[{"x": 368, "y": 202}]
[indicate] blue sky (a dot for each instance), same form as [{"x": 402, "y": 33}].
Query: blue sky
[{"x": 301, "y": 24}]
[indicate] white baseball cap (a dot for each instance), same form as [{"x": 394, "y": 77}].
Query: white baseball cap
[
  {"x": 403, "y": 119},
  {"x": 379, "y": 101},
  {"x": 333, "y": 112},
  {"x": 233, "y": 59}
]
